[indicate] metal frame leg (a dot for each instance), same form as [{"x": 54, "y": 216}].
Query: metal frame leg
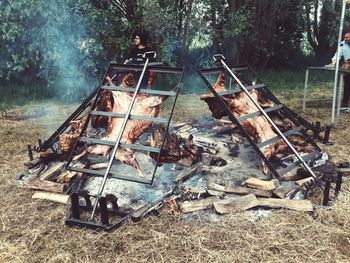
[
  {"x": 340, "y": 92},
  {"x": 305, "y": 88},
  {"x": 339, "y": 182},
  {"x": 326, "y": 191},
  {"x": 335, "y": 94}
]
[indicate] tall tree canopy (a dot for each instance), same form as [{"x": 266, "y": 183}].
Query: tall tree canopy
[{"x": 69, "y": 43}]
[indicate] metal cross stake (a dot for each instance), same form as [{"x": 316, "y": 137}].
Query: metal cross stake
[{"x": 147, "y": 56}]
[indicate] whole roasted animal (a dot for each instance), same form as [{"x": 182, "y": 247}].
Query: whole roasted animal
[
  {"x": 240, "y": 104},
  {"x": 145, "y": 105}
]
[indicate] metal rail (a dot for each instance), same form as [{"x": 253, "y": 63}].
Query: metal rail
[{"x": 168, "y": 125}]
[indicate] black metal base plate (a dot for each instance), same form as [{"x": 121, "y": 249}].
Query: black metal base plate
[{"x": 70, "y": 221}]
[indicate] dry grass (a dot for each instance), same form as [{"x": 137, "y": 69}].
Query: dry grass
[{"x": 34, "y": 231}]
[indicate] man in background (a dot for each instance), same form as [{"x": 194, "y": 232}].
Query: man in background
[
  {"x": 140, "y": 47},
  {"x": 344, "y": 50}
]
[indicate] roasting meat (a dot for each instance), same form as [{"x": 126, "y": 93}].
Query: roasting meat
[
  {"x": 175, "y": 147},
  {"x": 257, "y": 127},
  {"x": 105, "y": 102},
  {"x": 66, "y": 140},
  {"x": 144, "y": 105}
]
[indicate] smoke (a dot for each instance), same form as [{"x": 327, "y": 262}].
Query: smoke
[{"x": 66, "y": 49}]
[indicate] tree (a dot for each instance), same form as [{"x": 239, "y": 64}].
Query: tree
[{"x": 321, "y": 22}]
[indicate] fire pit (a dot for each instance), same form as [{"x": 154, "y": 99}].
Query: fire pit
[{"x": 180, "y": 168}]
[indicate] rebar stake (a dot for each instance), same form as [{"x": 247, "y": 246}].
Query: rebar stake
[
  {"x": 326, "y": 191},
  {"x": 326, "y": 135},
  {"x": 30, "y": 152},
  {"x": 339, "y": 182}
]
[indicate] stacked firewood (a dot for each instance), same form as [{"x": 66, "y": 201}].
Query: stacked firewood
[{"x": 48, "y": 176}]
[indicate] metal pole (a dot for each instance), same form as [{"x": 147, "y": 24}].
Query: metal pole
[
  {"x": 269, "y": 119},
  {"x": 340, "y": 89},
  {"x": 337, "y": 62},
  {"x": 305, "y": 88},
  {"x": 179, "y": 86},
  {"x": 114, "y": 151}
]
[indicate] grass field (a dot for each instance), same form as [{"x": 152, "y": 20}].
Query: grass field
[{"x": 34, "y": 231}]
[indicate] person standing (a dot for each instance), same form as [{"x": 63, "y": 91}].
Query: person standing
[
  {"x": 140, "y": 47},
  {"x": 344, "y": 49}
]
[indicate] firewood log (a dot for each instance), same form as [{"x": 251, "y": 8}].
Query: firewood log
[
  {"x": 240, "y": 203},
  {"x": 47, "y": 186},
  {"x": 262, "y": 184},
  {"x": 192, "y": 206},
  {"x": 238, "y": 190},
  {"x": 54, "y": 197}
]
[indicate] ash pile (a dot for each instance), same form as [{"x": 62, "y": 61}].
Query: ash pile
[
  {"x": 218, "y": 170},
  {"x": 118, "y": 156}
]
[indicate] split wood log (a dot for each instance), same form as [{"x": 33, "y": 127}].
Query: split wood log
[
  {"x": 193, "y": 190},
  {"x": 68, "y": 176},
  {"x": 299, "y": 205},
  {"x": 290, "y": 176},
  {"x": 47, "y": 186},
  {"x": 241, "y": 203},
  {"x": 54, "y": 197},
  {"x": 33, "y": 163},
  {"x": 204, "y": 142},
  {"x": 344, "y": 170},
  {"x": 294, "y": 175},
  {"x": 48, "y": 155},
  {"x": 53, "y": 171},
  {"x": 215, "y": 193},
  {"x": 282, "y": 190},
  {"x": 262, "y": 184},
  {"x": 303, "y": 181},
  {"x": 238, "y": 190},
  {"x": 187, "y": 174},
  {"x": 202, "y": 204},
  {"x": 186, "y": 161},
  {"x": 206, "y": 146}
]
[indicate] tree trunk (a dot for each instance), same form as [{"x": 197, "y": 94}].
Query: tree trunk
[{"x": 186, "y": 22}]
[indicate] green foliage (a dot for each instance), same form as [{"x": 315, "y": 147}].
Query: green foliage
[
  {"x": 66, "y": 45},
  {"x": 59, "y": 42}
]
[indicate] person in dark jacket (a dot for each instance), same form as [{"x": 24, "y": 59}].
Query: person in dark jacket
[{"x": 140, "y": 47}]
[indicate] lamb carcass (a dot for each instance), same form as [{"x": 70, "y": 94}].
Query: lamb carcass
[
  {"x": 145, "y": 105},
  {"x": 239, "y": 103}
]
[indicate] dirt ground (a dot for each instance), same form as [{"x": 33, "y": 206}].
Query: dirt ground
[{"x": 34, "y": 231}]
